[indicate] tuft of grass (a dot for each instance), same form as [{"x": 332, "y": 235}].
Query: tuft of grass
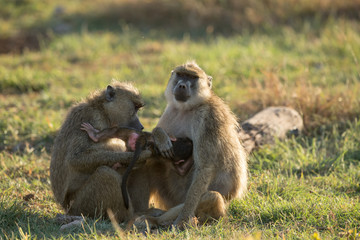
[{"x": 317, "y": 107}]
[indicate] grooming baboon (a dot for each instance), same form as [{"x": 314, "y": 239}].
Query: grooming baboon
[
  {"x": 140, "y": 141},
  {"x": 220, "y": 161},
  {"x": 81, "y": 173}
]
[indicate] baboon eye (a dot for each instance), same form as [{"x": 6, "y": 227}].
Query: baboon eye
[
  {"x": 180, "y": 74},
  {"x": 138, "y": 106},
  {"x": 192, "y": 77}
]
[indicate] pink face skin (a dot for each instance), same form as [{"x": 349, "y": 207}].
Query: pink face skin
[{"x": 132, "y": 140}]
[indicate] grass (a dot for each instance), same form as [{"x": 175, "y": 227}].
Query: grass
[
  {"x": 305, "y": 57},
  {"x": 303, "y": 187}
]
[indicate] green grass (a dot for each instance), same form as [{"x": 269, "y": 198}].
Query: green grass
[{"x": 302, "y": 188}]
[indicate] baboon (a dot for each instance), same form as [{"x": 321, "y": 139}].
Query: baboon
[
  {"x": 139, "y": 141},
  {"x": 81, "y": 173},
  {"x": 220, "y": 161}
]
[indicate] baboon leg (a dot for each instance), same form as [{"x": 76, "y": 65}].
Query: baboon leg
[
  {"x": 166, "y": 219},
  {"x": 212, "y": 206},
  {"x": 101, "y": 191}
]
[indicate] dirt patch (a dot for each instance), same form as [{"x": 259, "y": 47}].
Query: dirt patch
[{"x": 19, "y": 43}]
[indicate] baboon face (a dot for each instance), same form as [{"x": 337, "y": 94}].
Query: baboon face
[
  {"x": 184, "y": 86},
  {"x": 188, "y": 84},
  {"x": 122, "y": 105}
]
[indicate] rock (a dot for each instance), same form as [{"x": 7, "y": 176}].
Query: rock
[
  {"x": 74, "y": 224},
  {"x": 268, "y": 124},
  {"x": 69, "y": 222}
]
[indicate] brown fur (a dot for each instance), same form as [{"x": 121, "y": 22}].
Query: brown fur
[
  {"x": 81, "y": 173},
  {"x": 182, "y": 148},
  {"x": 220, "y": 161}
]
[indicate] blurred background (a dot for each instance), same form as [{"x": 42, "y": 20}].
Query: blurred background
[{"x": 23, "y": 20}]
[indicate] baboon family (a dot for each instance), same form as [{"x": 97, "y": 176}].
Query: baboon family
[{"x": 102, "y": 136}]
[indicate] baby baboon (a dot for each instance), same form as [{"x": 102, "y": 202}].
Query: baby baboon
[
  {"x": 182, "y": 147},
  {"x": 81, "y": 173},
  {"x": 220, "y": 161},
  {"x": 139, "y": 141}
]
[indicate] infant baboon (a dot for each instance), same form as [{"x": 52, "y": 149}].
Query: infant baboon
[
  {"x": 182, "y": 147},
  {"x": 81, "y": 173},
  {"x": 220, "y": 161},
  {"x": 139, "y": 141}
]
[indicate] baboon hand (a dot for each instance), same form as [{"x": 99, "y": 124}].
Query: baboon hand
[
  {"x": 182, "y": 223},
  {"x": 91, "y": 131},
  {"x": 163, "y": 142}
]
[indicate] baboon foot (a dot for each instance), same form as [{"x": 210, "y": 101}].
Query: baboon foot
[{"x": 144, "y": 224}]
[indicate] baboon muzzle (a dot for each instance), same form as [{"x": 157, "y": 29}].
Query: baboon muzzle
[
  {"x": 181, "y": 93},
  {"x": 136, "y": 124}
]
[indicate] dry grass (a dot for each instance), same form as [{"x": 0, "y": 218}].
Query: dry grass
[{"x": 318, "y": 106}]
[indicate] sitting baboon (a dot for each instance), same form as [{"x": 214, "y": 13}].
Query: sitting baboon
[
  {"x": 81, "y": 173},
  {"x": 220, "y": 161}
]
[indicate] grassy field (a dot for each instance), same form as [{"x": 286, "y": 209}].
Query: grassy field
[{"x": 303, "y": 54}]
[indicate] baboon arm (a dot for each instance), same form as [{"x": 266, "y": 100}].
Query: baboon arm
[
  {"x": 89, "y": 160},
  {"x": 205, "y": 156},
  {"x": 163, "y": 142},
  {"x": 107, "y": 133},
  {"x": 200, "y": 183},
  {"x": 168, "y": 217}
]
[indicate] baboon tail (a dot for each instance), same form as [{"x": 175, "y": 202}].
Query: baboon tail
[{"x": 124, "y": 192}]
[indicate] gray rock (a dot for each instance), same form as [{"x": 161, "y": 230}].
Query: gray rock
[{"x": 268, "y": 124}]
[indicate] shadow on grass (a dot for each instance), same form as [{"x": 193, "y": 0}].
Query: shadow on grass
[
  {"x": 39, "y": 144},
  {"x": 17, "y": 221},
  {"x": 21, "y": 219},
  {"x": 37, "y": 174}
]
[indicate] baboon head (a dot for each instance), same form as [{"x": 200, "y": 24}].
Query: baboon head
[
  {"x": 121, "y": 104},
  {"x": 188, "y": 86}
]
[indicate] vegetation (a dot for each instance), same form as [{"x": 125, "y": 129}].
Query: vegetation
[{"x": 303, "y": 54}]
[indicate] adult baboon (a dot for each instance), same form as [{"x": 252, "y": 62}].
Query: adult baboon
[
  {"x": 220, "y": 161},
  {"x": 81, "y": 173}
]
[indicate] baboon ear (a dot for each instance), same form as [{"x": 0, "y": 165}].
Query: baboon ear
[
  {"x": 110, "y": 93},
  {"x": 209, "y": 81}
]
